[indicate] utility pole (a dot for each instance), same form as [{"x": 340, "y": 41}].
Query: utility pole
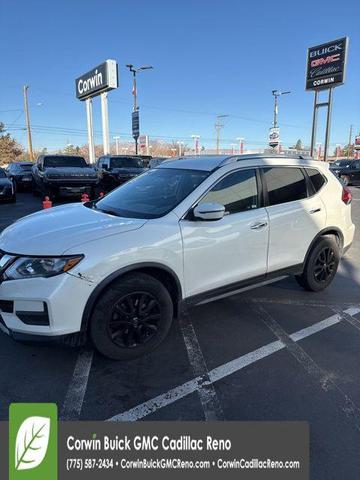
[
  {"x": 134, "y": 71},
  {"x": 117, "y": 138},
  {"x": 27, "y": 116},
  {"x": 218, "y": 127},
  {"x": 350, "y": 140}
]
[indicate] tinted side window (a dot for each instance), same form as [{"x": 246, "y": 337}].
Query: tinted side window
[
  {"x": 285, "y": 184},
  {"x": 316, "y": 178},
  {"x": 237, "y": 192}
]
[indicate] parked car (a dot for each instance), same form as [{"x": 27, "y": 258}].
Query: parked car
[
  {"x": 7, "y": 187},
  {"x": 193, "y": 229},
  {"x": 347, "y": 170},
  {"x": 63, "y": 175},
  {"x": 156, "y": 161},
  {"x": 20, "y": 173},
  {"x": 114, "y": 170}
]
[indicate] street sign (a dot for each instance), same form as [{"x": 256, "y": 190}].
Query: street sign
[
  {"x": 144, "y": 144},
  {"x": 135, "y": 124},
  {"x": 326, "y": 65},
  {"x": 274, "y": 137},
  {"x": 100, "y": 79}
]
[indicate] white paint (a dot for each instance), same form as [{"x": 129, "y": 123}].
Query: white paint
[
  {"x": 77, "y": 388},
  {"x": 223, "y": 371}
]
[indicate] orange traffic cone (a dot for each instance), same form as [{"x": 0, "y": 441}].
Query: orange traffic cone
[
  {"x": 85, "y": 198},
  {"x": 47, "y": 203}
]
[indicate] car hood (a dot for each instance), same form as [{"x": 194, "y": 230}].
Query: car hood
[
  {"x": 70, "y": 171},
  {"x": 55, "y": 230}
]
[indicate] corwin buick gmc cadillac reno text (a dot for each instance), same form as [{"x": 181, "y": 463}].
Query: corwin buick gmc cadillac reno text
[{"x": 193, "y": 229}]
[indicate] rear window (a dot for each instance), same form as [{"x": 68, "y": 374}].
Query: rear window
[
  {"x": 64, "y": 161},
  {"x": 126, "y": 162},
  {"x": 285, "y": 184},
  {"x": 316, "y": 178}
]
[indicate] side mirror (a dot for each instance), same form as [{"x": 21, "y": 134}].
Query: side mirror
[{"x": 209, "y": 211}]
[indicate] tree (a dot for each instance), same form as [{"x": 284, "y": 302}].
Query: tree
[
  {"x": 299, "y": 145},
  {"x": 10, "y": 149},
  {"x": 348, "y": 151}
]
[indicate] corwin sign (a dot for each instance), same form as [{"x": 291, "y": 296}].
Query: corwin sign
[
  {"x": 100, "y": 79},
  {"x": 326, "y": 65}
]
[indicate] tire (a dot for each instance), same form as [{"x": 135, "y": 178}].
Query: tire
[
  {"x": 321, "y": 265},
  {"x": 132, "y": 317},
  {"x": 345, "y": 180}
]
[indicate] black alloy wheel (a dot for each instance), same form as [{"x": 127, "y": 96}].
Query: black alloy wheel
[
  {"x": 134, "y": 319},
  {"x": 324, "y": 264}
]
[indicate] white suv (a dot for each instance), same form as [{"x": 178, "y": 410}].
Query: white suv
[{"x": 193, "y": 229}]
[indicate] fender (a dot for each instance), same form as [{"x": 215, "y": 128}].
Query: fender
[
  {"x": 118, "y": 273},
  {"x": 330, "y": 230}
]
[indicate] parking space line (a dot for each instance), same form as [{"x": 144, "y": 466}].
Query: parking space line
[
  {"x": 74, "y": 398},
  {"x": 209, "y": 400},
  {"x": 233, "y": 366},
  {"x": 348, "y": 316},
  {"x": 336, "y": 394},
  {"x": 299, "y": 303}
]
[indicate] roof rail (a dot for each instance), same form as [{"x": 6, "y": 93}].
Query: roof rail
[{"x": 248, "y": 156}]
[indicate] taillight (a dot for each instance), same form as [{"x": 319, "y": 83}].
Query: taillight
[{"x": 346, "y": 196}]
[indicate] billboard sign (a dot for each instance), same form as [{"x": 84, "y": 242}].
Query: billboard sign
[
  {"x": 326, "y": 65},
  {"x": 144, "y": 144},
  {"x": 100, "y": 79},
  {"x": 274, "y": 137},
  {"x": 135, "y": 124}
]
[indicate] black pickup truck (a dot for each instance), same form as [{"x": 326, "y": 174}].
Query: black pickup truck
[
  {"x": 63, "y": 175},
  {"x": 114, "y": 170}
]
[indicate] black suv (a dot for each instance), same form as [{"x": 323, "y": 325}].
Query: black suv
[
  {"x": 63, "y": 175},
  {"x": 7, "y": 187},
  {"x": 20, "y": 173},
  {"x": 115, "y": 170},
  {"x": 347, "y": 170}
]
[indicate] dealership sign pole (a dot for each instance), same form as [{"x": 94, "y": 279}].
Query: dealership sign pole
[
  {"x": 97, "y": 81},
  {"x": 326, "y": 67}
]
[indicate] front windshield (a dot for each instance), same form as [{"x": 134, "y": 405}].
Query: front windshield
[
  {"x": 25, "y": 167},
  {"x": 64, "y": 161},
  {"x": 152, "y": 194},
  {"x": 126, "y": 162}
]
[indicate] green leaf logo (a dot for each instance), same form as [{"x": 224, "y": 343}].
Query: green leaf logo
[{"x": 32, "y": 442}]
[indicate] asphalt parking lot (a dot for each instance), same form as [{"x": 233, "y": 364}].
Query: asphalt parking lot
[{"x": 275, "y": 353}]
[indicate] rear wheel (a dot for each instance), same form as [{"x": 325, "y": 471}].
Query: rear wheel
[
  {"x": 132, "y": 318},
  {"x": 321, "y": 265}
]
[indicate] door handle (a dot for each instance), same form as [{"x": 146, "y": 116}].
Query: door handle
[
  {"x": 258, "y": 225},
  {"x": 314, "y": 210}
]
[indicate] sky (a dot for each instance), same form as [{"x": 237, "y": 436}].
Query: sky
[{"x": 209, "y": 57}]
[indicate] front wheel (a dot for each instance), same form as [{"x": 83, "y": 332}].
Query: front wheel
[
  {"x": 132, "y": 317},
  {"x": 321, "y": 265}
]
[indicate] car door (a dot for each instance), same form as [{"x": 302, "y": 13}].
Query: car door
[
  {"x": 296, "y": 215},
  {"x": 223, "y": 252}
]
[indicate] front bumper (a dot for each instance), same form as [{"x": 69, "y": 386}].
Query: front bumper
[{"x": 48, "y": 307}]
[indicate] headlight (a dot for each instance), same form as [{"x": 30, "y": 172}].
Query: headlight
[{"x": 31, "y": 267}]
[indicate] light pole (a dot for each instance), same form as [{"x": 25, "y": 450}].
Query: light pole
[
  {"x": 241, "y": 145},
  {"x": 117, "y": 138},
  {"x": 218, "y": 127},
  {"x": 196, "y": 143},
  {"x": 277, "y": 94},
  {"x": 134, "y": 71},
  {"x": 180, "y": 149}
]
